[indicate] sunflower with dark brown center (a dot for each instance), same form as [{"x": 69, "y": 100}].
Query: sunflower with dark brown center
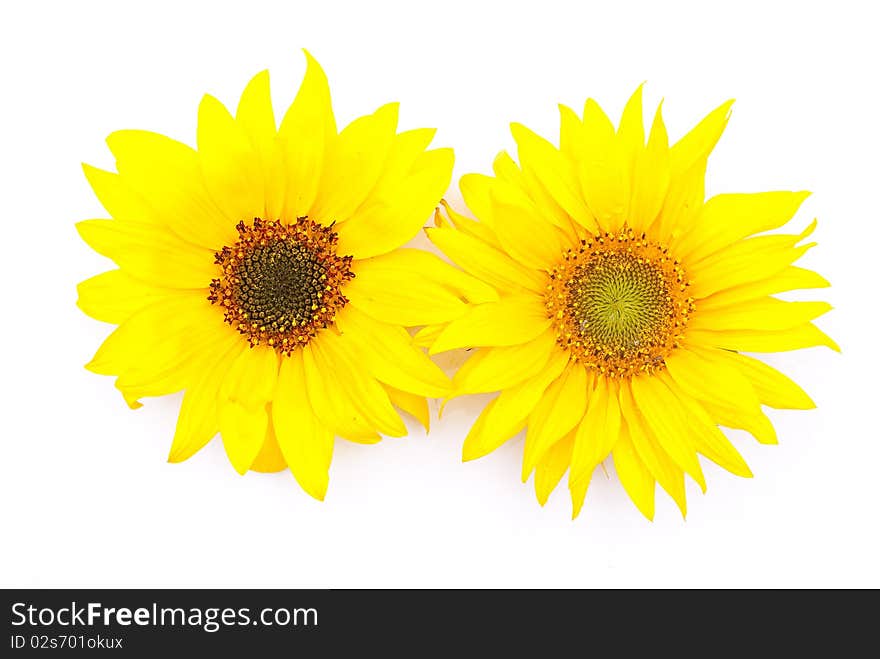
[{"x": 262, "y": 274}]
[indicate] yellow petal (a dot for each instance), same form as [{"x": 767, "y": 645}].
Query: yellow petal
[
  {"x": 706, "y": 437},
  {"x": 683, "y": 204},
  {"x": 476, "y": 190},
  {"x": 510, "y": 321},
  {"x": 481, "y": 231},
  {"x": 413, "y": 404},
  {"x": 559, "y": 410},
  {"x": 353, "y": 383},
  {"x": 756, "y": 423},
  {"x": 307, "y": 127},
  {"x": 506, "y": 415},
  {"x": 727, "y": 218},
  {"x": 663, "y": 415},
  {"x": 554, "y": 172},
  {"x": 389, "y": 296},
  {"x": 385, "y": 223},
  {"x": 354, "y": 162},
  {"x": 631, "y": 130},
  {"x": 147, "y": 253},
  {"x": 230, "y": 165},
  {"x": 598, "y": 431},
  {"x": 635, "y": 477},
  {"x": 486, "y": 263},
  {"x": 604, "y": 172},
  {"x": 325, "y": 399},
  {"x": 257, "y": 121},
  {"x": 198, "y": 422},
  {"x": 167, "y": 175},
  {"x": 389, "y": 354},
  {"x": 772, "y": 387},
  {"x": 494, "y": 369},
  {"x": 766, "y": 314},
  {"x": 696, "y": 146},
  {"x": 270, "y": 459},
  {"x": 794, "y": 338},
  {"x": 425, "y": 274},
  {"x": 114, "y": 296},
  {"x": 159, "y": 337},
  {"x": 578, "y": 491},
  {"x": 552, "y": 467},
  {"x": 306, "y": 444},
  {"x": 242, "y": 404},
  {"x": 172, "y": 370},
  {"x": 598, "y": 129},
  {"x": 790, "y": 278},
  {"x": 706, "y": 375},
  {"x": 426, "y": 336},
  {"x": 746, "y": 262},
  {"x": 651, "y": 176},
  {"x": 524, "y": 234},
  {"x": 662, "y": 467},
  {"x": 120, "y": 199}
]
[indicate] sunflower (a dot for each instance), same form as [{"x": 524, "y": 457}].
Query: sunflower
[
  {"x": 627, "y": 302},
  {"x": 260, "y": 273}
]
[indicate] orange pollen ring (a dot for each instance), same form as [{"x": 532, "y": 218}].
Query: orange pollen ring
[
  {"x": 619, "y": 303},
  {"x": 281, "y": 283}
]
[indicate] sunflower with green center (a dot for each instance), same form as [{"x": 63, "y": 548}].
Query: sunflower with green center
[
  {"x": 261, "y": 274},
  {"x": 626, "y": 302}
]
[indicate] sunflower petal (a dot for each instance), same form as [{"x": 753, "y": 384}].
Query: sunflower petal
[
  {"x": 791, "y": 278},
  {"x": 197, "y": 421},
  {"x": 553, "y": 171},
  {"x": 552, "y": 467},
  {"x": 559, "y": 410},
  {"x": 385, "y": 223},
  {"x": 635, "y": 477},
  {"x": 257, "y": 120},
  {"x": 506, "y": 415},
  {"x": 413, "y": 404},
  {"x": 696, "y": 146},
  {"x": 766, "y": 314},
  {"x": 242, "y": 404},
  {"x": 114, "y": 296},
  {"x": 598, "y": 431},
  {"x": 794, "y": 338},
  {"x": 306, "y": 444},
  {"x": 772, "y": 387},
  {"x": 150, "y": 254},
  {"x": 306, "y": 129},
  {"x": 511, "y": 320},
  {"x": 651, "y": 178},
  {"x": 663, "y": 415},
  {"x": 527, "y": 237},
  {"x": 662, "y": 467},
  {"x": 167, "y": 175},
  {"x": 727, "y": 218},
  {"x": 389, "y": 354},
  {"x": 485, "y": 262},
  {"x": 494, "y": 369},
  {"x": 357, "y": 386},
  {"x": 409, "y": 300},
  {"x": 707, "y": 438},
  {"x": 354, "y": 162},
  {"x": 425, "y": 274},
  {"x": 230, "y": 165}
]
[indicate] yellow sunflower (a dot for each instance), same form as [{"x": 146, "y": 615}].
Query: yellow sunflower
[
  {"x": 261, "y": 274},
  {"x": 626, "y": 304}
]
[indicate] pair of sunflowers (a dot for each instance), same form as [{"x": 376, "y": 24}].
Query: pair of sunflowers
[{"x": 603, "y": 297}]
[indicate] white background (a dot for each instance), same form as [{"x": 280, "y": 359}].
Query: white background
[{"x": 86, "y": 495}]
